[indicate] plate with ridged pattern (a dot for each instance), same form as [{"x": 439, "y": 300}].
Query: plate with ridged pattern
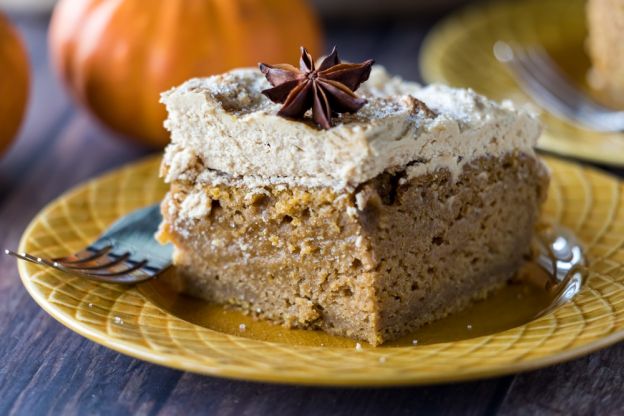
[
  {"x": 458, "y": 52},
  {"x": 150, "y": 323}
]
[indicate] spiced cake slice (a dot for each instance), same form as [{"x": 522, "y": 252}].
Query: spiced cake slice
[{"x": 417, "y": 205}]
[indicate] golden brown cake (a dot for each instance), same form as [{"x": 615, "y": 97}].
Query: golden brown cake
[
  {"x": 422, "y": 202},
  {"x": 605, "y": 19}
]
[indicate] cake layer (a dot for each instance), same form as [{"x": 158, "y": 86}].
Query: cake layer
[
  {"x": 225, "y": 124},
  {"x": 372, "y": 263}
]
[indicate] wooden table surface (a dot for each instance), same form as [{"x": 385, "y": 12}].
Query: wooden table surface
[{"x": 47, "y": 369}]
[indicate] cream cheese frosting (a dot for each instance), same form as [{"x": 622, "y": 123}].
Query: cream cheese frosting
[{"x": 224, "y": 130}]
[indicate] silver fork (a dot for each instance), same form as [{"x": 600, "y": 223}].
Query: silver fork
[
  {"x": 542, "y": 79},
  {"x": 126, "y": 253}
]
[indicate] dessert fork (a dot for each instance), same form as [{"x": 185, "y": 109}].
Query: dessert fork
[
  {"x": 542, "y": 79},
  {"x": 127, "y": 252}
]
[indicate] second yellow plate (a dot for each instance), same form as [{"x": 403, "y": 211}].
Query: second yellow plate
[{"x": 459, "y": 52}]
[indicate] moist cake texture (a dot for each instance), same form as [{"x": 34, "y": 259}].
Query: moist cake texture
[{"x": 419, "y": 204}]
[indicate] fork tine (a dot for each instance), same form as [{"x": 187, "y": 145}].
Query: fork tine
[
  {"x": 22, "y": 256},
  {"x": 583, "y": 109},
  {"x": 544, "y": 68},
  {"x": 37, "y": 260},
  {"x": 97, "y": 265},
  {"x": 538, "y": 91},
  {"x": 84, "y": 256},
  {"x": 531, "y": 80},
  {"x": 96, "y": 272},
  {"x": 534, "y": 83},
  {"x": 110, "y": 273},
  {"x": 137, "y": 276},
  {"x": 559, "y": 81},
  {"x": 131, "y": 274},
  {"x": 134, "y": 272}
]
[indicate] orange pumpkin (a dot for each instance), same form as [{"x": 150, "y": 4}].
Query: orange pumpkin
[
  {"x": 118, "y": 56},
  {"x": 14, "y": 82}
]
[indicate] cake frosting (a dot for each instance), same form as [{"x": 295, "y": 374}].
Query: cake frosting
[{"x": 223, "y": 130}]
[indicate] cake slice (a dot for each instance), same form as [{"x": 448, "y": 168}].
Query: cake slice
[{"x": 417, "y": 205}]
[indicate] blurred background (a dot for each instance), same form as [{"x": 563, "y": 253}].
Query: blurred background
[
  {"x": 114, "y": 63},
  {"x": 327, "y": 8},
  {"x": 104, "y": 63}
]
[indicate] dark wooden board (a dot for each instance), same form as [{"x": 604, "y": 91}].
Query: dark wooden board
[{"x": 47, "y": 369}]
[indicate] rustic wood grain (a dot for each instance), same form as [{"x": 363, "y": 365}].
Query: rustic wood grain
[
  {"x": 47, "y": 369},
  {"x": 592, "y": 385}
]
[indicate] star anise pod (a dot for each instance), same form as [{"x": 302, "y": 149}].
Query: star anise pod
[{"x": 327, "y": 90}]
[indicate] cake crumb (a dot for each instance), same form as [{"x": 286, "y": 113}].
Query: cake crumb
[
  {"x": 242, "y": 327},
  {"x": 196, "y": 205},
  {"x": 275, "y": 241},
  {"x": 359, "y": 241},
  {"x": 352, "y": 212},
  {"x": 217, "y": 243},
  {"x": 358, "y": 347},
  {"x": 307, "y": 248},
  {"x": 414, "y": 341},
  {"x": 360, "y": 201}
]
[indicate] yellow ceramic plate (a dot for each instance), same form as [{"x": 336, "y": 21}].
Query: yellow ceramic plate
[
  {"x": 459, "y": 52},
  {"x": 151, "y": 323}
]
